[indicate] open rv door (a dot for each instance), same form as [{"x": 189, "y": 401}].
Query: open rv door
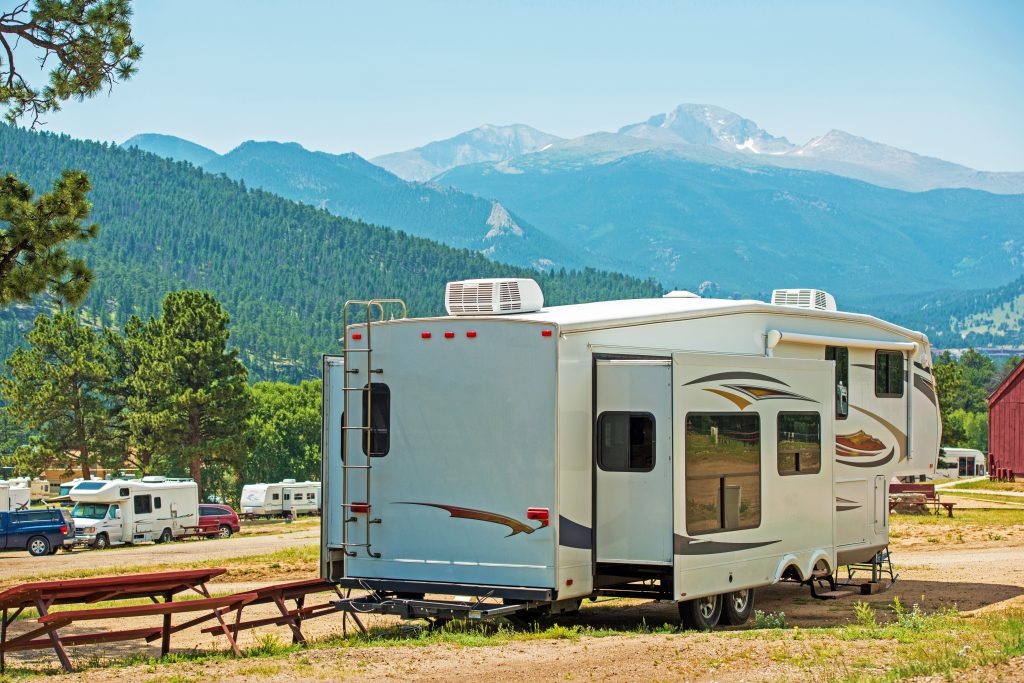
[{"x": 753, "y": 443}]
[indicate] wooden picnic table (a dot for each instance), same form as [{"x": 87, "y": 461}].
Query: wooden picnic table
[{"x": 43, "y": 595}]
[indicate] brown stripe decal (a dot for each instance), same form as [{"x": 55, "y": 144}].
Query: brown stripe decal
[
  {"x": 872, "y": 463},
  {"x": 512, "y": 523},
  {"x": 925, "y": 387},
  {"x": 736, "y": 375},
  {"x": 685, "y": 545}
]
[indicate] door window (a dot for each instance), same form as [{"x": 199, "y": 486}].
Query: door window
[
  {"x": 799, "y": 443},
  {"x": 888, "y": 374},
  {"x": 379, "y": 398},
  {"x": 723, "y": 472},
  {"x": 841, "y": 355},
  {"x": 625, "y": 442}
]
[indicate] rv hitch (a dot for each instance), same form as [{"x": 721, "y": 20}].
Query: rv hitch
[{"x": 407, "y": 608}]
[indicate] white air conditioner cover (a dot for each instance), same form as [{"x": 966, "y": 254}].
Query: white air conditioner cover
[
  {"x": 804, "y": 298},
  {"x": 493, "y": 296}
]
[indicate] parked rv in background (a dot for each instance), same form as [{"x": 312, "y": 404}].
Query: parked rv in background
[
  {"x": 39, "y": 488},
  {"x": 283, "y": 499},
  {"x": 19, "y": 496},
  {"x": 961, "y": 462},
  {"x": 5, "y": 497},
  {"x": 123, "y": 511}
]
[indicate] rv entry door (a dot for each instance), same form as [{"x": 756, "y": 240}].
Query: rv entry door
[{"x": 633, "y": 460}]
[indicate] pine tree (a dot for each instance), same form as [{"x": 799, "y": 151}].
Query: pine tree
[
  {"x": 190, "y": 398},
  {"x": 57, "y": 387}
]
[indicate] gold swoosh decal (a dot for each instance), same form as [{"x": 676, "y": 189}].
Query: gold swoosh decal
[
  {"x": 739, "y": 401},
  {"x": 512, "y": 523},
  {"x": 901, "y": 438}
]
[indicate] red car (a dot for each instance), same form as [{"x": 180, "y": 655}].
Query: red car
[{"x": 218, "y": 517}]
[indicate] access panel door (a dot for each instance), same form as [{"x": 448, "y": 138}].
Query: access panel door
[{"x": 633, "y": 461}]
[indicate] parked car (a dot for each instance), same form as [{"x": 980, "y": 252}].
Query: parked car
[
  {"x": 40, "y": 532},
  {"x": 219, "y": 517}
]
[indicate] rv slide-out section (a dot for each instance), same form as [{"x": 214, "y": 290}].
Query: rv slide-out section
[{"x": 463, "y": 463}]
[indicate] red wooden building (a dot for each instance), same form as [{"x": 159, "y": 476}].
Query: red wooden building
[{"x": 1006, "y": 424}]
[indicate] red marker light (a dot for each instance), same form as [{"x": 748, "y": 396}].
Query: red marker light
[
  {"x": 424, "y": 335},
  {"x": 361, "y": 508},
  {"x": 471, "y": 335},
  {"x": 545, "y": 333},
  {"x": 357, "y": 336},
  {"x": 449, "y": 335},
  {"x": 568, "y": 582},
  {"x": 541, "y": 515}
]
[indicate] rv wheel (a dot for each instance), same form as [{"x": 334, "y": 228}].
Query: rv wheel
[
  {"x": 701, "y": 614},
  {"x": 101, "y": 542},
  {"x": 165, "y": 537},
  {"x": 737, "y": 607}
]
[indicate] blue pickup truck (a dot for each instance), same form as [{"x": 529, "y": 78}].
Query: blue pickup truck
[{"x": 40, "y": 532}]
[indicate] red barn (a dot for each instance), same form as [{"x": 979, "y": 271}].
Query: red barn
[{"x": 1006, "y": 424}]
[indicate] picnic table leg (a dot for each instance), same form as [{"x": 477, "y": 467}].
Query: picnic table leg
[
  {"x": 292, "y": 624},
  {"x": 165, "y": 635},
  {"x": 223, "y": 625},
  {"x": 3, "y": 641},
  {"x": 58, "y": 646}
]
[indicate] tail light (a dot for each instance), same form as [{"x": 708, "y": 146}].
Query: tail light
[
  {"x": 64, "y": 529},
  {"x": 360, "y": 507},
  {"x": 541, "y": 515}
]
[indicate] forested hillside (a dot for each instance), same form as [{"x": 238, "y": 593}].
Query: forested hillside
[{"x": 281, "y": 269}]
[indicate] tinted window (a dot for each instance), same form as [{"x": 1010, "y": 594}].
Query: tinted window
[
  {"x": 889, "y": 374},
  {"x": 625, "y": 442},
  {"x": 841, "y": 355},
  {"x": 143, "y": 504},
  {"x": 276, "y": 497},
  {"x": 156, "y": 502},
  {"x": 33, "y": 517},
  {"x": 89, "y": 485},
  {"x": 287, "y": 496},
  {"x": 379, "y": 398},
  {"x": 799, "y": 449},
  {"x": 723, "y": 472}
]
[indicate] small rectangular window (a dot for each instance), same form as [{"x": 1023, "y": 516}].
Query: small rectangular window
[
  {"x": 156, "y": 502},
  {"x": 379, "y": 398},
  {"x": 889, "y": 374},
  {"x": 625, "y": 442},
  {"x": 143, "y": 504},
  {"x": 723, "y": 472},
  {"x": 124, "y": 493},
  {"x": 841, "y": 355},
  {"x": 277, "y": 497},
  {"x": 799, "y": 443},
  {"x": 287, "y": 496}
]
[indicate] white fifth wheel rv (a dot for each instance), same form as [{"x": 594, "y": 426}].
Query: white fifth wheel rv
[
  {"x": 121, "y": 511},
  {"x": 19, "y": 496},
  {"x": 288, "y": 497},
  {"x": 680, "y": 448}
]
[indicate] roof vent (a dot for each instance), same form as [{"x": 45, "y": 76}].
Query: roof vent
[
  {"x": 804, "y": 298},
  {"x": 496, "y": 296},
  {"x": 680, "y": 294}
]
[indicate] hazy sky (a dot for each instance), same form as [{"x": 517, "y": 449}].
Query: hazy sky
[{"x": 938, "y": 78}]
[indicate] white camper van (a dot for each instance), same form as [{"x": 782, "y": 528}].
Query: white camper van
[
  {"x": 122, "y": 511},
  {"x": 19, "y": 496},
  {"x": 285, "y": 498},
  {"x": 962, "y": 462},
  {"x": 680, "y": 448}
]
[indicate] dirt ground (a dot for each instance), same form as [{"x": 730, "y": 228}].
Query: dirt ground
[{"x": 975, "y": 573}]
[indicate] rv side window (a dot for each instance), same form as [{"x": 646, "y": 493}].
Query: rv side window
[
  {"x": 124, "y": 493},
  {"x": 841, "y": 355},
  {"x": 625, "y": 442},
  {"x": 276, "y": 496},
  {"x": 723, "y": 472},
  {"x": 799, "y": 448},
  {"x": 143, "y": 504},
  {"x": 287, "y": 496},
  {"x": 379, "y": 396},
  {"x": 888, "y": 374},
  {"x": 156, "y": 502}
]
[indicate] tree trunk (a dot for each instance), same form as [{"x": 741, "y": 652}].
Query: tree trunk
[{"x": 195, "y": 438}]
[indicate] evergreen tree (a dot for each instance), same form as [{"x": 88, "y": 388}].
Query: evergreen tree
[
  {"x": 284, "y": 432},
  {"x": 57, "y": 387},
  {"x": 190, "y": 399}
]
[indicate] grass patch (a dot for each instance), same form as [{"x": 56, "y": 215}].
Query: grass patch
[
  {"x": 986, "y": 485},
  {"x": 987, "y": 518},
  {"x": 987, "y": 497}
]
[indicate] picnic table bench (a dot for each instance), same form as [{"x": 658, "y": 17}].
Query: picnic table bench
[
  {"x": 922, "y": 496},
  {"x": 43, "y": 595}
]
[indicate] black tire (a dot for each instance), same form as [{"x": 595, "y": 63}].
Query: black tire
[
  {"x": 102, "y": 542},
  {"x": 701, "y": 614},
  {"x": 737, "y": 607},
  {"x": 38, "y": 546},
  {"x": 54, "y": 550},
  {"x": 165, "y": 536},
  {"x": 224, "y": 531}
]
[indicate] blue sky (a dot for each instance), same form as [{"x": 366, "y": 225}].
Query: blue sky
[{"x": 938, "y": 78}]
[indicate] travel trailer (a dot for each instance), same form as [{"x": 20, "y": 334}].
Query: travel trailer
[
  {"x": 123, "y": 511},
  {"x": 39, "y": 488},
  {"x": 679, "y": 448},
  {"x": 19, "y": 496},
  {"x": 285, "y": 498},
  {"x": 961, "y": 462},
  {"x": 5, "y": 497}
]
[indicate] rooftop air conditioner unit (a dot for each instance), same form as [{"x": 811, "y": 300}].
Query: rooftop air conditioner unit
[
  {"x": 493, "y": 296},
  {"x": 804, "y": 298}
]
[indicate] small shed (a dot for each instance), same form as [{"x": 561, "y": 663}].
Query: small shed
[{"x": 1006, "y": 424}]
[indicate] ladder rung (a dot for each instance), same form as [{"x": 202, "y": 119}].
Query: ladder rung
[
  {"x": 357, "y": 350},
  {"x": 356, "y": 467},
  {"x": 354, "y": 389},
  {"x": 359, "y": 428}
]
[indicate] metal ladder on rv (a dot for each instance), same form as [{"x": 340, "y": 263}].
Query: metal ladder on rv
[{"x": 366, "y": 427}]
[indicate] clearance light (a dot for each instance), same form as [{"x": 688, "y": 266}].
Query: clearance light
[
  {"x": 471, "y": 335},
  {"x": 541, "y": 515},
  {"x": 357, "y": 336},
  {"x": 360, "y": 507},
  {"x": 424, "y": 335},
  {"x": 449, "y": 335},
  {"x": 545, "y": 333}
]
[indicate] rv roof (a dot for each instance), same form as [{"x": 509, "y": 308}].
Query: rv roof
[{"x": 604, "y": 314}]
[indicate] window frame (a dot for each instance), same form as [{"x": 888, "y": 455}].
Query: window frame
[
  {"x": 903, "y": 373},
  {"x": 778, "y": 441},
  {"x": 631, "y": 414},
  {"x": 724, "y": 477},
  {"x": 142, "y": 497}
]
